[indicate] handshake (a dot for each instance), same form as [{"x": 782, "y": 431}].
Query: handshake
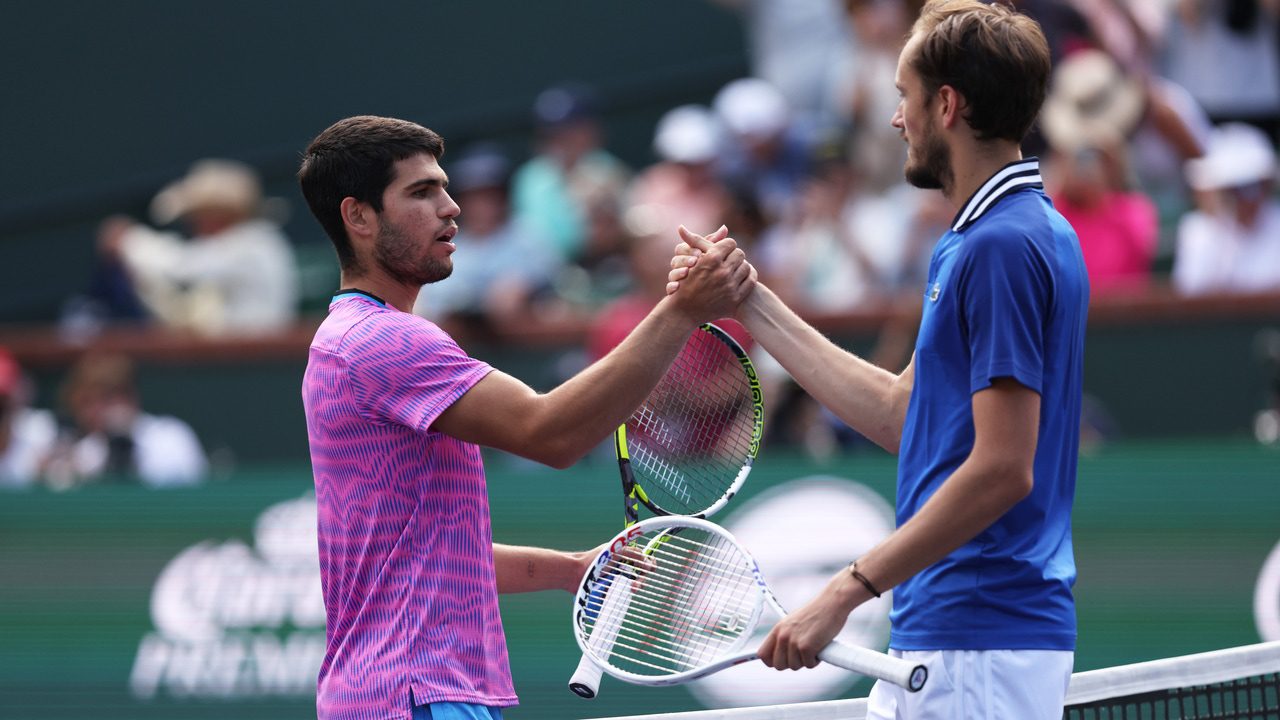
[{"x": 710, "y": 276}]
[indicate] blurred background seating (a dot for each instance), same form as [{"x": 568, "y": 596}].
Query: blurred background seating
[{"x": 575, "y": 162}]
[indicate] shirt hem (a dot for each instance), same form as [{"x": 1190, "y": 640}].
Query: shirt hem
[
  {"x": 502, "y": 701},
  {"x": 975, "y": 641}
]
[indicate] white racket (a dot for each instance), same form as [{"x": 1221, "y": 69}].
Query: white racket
[{"x": 691, "y": 609}]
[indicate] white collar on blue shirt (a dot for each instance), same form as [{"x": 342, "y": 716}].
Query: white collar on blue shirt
[{"x": 1011, "y": 177}]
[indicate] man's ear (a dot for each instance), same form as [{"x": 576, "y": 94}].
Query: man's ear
[
  {"x": 359, "y": 218},
  {"x": 951, "y": 106}
]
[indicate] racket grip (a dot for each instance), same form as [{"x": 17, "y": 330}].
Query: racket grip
[
  {"x": 585, "y": 682},
  {"x": 608, "y": 622},
  {"x": 904, "y": 673}
]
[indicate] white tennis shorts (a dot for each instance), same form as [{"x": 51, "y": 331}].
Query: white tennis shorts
[{"x": 979, "y": 685}]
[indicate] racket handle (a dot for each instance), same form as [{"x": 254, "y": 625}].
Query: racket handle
[
  {"x": 585, "y": 682},
  {"x": 608, "y": 621},
  {"x": 904, "y": 673}
]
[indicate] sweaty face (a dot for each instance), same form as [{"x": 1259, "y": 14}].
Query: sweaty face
[
  {"x": 417, "y": 223},
  {"x": 928, "y": 156}
]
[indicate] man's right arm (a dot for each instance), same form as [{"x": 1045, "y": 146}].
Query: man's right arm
[
  {"x": 868, "y": 398},
  {"x": 559, "y": 427}
]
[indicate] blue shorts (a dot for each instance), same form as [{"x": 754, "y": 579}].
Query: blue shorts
[{"x": 456, "y": 711}]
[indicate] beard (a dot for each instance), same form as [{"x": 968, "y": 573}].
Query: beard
[
  {"x": 932, "y": 170},
  {"x": 403, "y": 260}
]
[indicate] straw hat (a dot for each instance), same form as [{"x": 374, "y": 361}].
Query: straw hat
[
  {"x": 1091, "y": 103},
  {"x": 222, "y": 184}
]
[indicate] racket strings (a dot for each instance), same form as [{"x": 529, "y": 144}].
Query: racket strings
[
  {"x": 696, "y": 430},
  {"x": 692, "y": 606}
]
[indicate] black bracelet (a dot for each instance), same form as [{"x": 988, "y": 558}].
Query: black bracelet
[{"x": 853, "y": 570}]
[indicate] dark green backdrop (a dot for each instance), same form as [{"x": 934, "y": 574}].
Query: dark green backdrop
[{"x": 106, "y": 102}]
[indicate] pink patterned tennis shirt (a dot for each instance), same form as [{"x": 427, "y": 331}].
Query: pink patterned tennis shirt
[{"x": 406, "y": 550}]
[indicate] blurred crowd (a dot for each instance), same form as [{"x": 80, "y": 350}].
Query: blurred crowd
[
  {"x": 1157, "y": 141},
  {"x": 98, "y": 433},
  {"x": 1155, "y": 144}
]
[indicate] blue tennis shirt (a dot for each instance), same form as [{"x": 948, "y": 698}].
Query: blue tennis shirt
[{"x": 1007, "y": 297}]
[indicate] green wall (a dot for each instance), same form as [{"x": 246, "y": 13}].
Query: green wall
[{"x": 1170, "y": 538}]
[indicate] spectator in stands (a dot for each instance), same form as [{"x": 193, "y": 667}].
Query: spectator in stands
[
  {"x": 602, "y": 271},
  {"x": 648, "y": 256},
  {"x": 1065, "y": 28},
  {"x": 553, "y": 190},
  {"x": 1231, "y": 243},
  {"x": 863, "y": 91},
  {"x": 236, "y": 272},
  {"x": 1091, "y": 112},
  {"x": 816, "y": 258},
  {"x": 108, "y": 436},
  {"x": 795, "y": 46},
  {"x": 26, "y": 434},
  {"x": 1225, "y": 53},
  {"x": 763, "y": 155},
  {"x": 502, "y": 262},
  {"x": 682, "y": 187}
]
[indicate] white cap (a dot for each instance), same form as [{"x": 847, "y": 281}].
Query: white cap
[
  {"x": 687, "y": 134},
  {"x": 1238, "y": 154},
  {"x": 752, "y": 107}
]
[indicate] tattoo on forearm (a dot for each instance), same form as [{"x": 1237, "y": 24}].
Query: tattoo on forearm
[{"x": 529, "y": 568}]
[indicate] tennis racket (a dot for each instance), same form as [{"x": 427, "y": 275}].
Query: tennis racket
[
  {"x": 690, "y": 608},
  {"x": 689, "y": 448}
]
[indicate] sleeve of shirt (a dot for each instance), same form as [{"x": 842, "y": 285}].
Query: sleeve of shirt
[
  {"x": 1006, "y": 295},
  {"x": 406, "y": 370},
  {"x": 1192, "y": 260}
]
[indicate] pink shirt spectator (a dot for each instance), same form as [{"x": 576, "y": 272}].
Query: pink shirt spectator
[
  {"x": 1118, "y": 238},
  {"x": 406, "y": 553}
]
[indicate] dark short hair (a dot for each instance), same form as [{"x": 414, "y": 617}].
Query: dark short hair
[
  {"x": 355, "y": 158},
  {"x": 997, "y": 58}
]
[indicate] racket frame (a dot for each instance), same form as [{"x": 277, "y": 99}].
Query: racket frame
[
  {"x": 633, "y": 492},
  {"x": 866, "y": 661}
]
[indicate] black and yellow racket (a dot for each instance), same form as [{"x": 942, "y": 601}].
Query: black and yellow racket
[{"x": 689, "y": 448}]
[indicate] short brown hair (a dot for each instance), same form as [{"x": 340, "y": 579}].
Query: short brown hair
[
  {"x": 98, "y": 373},
  {"x": 995, "y": 57},
  {"x": 354, "y": 158}
]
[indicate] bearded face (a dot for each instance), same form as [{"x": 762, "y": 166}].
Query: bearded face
[
  {"x": 408, "y": 260},
  {"x": 929, "y": 160}
]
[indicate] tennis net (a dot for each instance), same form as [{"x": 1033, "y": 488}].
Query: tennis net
[{"x": 1241, "y": 683}]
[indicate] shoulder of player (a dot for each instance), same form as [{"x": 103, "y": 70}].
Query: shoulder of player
[
  {"x": 364, "y": 327},
  {"x": 997, "y": 232}
]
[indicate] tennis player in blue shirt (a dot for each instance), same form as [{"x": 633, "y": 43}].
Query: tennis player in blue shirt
[{"x": 985, "y": 418}]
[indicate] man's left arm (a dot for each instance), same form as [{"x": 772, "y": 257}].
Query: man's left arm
[{"x": 526, "y": 569}]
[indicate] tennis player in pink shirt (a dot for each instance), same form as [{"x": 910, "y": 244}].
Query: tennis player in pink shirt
[{"x": 396, "y": 414}]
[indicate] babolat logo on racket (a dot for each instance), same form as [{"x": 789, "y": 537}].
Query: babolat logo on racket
[
  {"x": 757, "y": 405},
  {"x": 591, "y": 583},
  {"x": 597, "y": 580}
]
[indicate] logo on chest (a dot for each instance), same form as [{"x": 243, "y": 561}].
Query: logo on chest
[{"x": 934, "y": 292}]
